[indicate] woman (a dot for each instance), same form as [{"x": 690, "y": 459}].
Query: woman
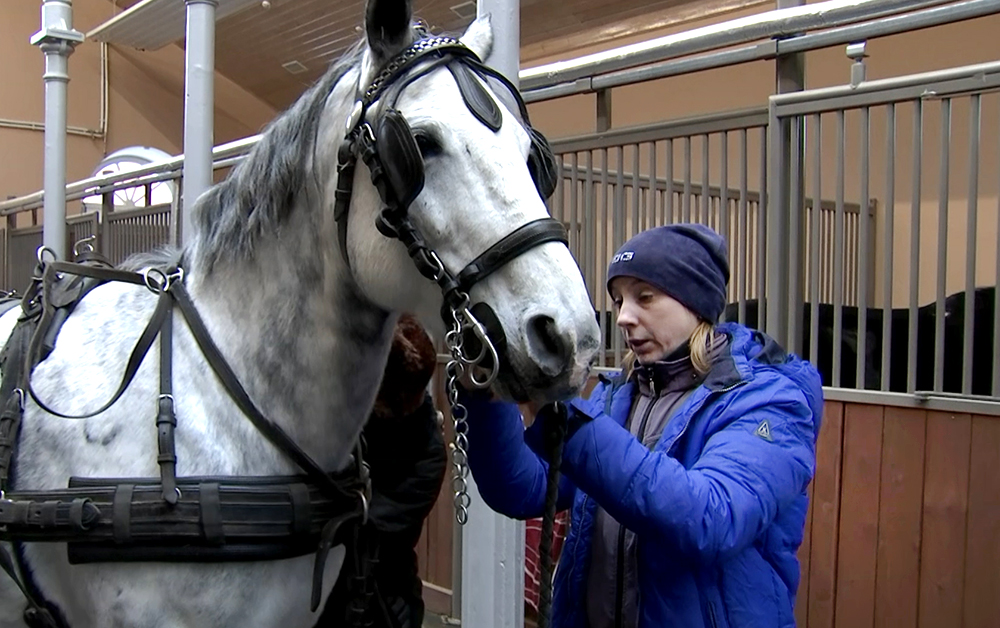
[{"x": 687, "y": 473}]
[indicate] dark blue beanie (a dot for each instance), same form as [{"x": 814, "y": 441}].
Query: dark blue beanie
[{"x": 687, "y": 261}]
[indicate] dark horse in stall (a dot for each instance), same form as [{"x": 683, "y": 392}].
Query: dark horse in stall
[{"x": 955, "y": 311}]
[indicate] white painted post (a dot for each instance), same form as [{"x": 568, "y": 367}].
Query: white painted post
[{"x": 492, "y": 579}]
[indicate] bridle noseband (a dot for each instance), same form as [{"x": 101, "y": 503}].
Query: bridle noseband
[{"x": 389, "y": 149}]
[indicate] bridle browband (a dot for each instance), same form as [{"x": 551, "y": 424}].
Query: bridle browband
[{"x": 399, "y": 178}]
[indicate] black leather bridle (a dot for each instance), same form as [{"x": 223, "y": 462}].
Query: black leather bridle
[{"x": 390, "y": 151}]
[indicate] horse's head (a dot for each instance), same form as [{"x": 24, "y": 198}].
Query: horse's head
[{"x": 458, "y": 173}]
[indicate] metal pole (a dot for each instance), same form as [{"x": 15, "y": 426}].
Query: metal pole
[
  {"x": 492, "y": 577},
  {"x": 199, "y": 105},
  {"x": 57, "y": 38},
  {"x": 784, "y": 288}
]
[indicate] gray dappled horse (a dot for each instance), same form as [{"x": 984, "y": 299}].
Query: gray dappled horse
[{"x": 302, "y": 306}]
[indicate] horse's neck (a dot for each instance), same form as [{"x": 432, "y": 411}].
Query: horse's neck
[{"x": 309, "y": 350}]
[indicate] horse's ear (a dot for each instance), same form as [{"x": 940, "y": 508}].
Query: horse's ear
[
  {"x": 387, "y": 23},
  {"x": 479, "y": 36}
]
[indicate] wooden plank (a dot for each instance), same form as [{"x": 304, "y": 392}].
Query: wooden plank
[
  {"x": 858, "y": 535},
  {"x": 805, "y": 550},
  {"x": 900, "y": 513},
  {"x": 982, "y": 566},
  {"x": 823, "y": 558},
  {"x": 946, "y": 499}
]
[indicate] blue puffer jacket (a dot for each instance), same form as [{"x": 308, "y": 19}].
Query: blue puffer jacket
[{"x": 718, "y": 506}]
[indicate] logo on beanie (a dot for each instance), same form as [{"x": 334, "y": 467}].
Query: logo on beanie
[{"x": 624, "y": 256}]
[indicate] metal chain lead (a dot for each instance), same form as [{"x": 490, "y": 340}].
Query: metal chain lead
[
  {"x": 455, "y": 370},
  {"x": 459, "y": 458}
]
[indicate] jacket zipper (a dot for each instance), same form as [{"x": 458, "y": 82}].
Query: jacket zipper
[{"x": 620, "y": 563}]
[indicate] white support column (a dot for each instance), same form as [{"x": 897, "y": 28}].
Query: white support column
[
  {"x": 199, "y": 105},
  {"x": 492, "y": 582},
  {"x": 57, "y": 38}
]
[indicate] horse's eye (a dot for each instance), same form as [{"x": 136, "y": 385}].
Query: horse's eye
[{"x": 428, "y": 144}]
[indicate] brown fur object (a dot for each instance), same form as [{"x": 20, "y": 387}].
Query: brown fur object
[{"x": 411, "y": 364}]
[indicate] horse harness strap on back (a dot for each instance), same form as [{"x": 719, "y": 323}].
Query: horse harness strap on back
[{"x": 169, "y": 519}]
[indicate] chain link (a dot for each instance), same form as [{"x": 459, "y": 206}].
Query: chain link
[{"x": 459, "y": 414}]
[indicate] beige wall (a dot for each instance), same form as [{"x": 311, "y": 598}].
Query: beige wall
[{"x": 145, "y": 98}]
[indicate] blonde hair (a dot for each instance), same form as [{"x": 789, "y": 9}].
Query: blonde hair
[{"x": 700, "y": 343}]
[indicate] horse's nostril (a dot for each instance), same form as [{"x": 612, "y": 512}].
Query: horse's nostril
[{"x": 549, "y": 348}]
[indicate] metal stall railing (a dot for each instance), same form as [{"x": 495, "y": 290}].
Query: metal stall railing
[
  {"x": 882, "y": 338},
  {"x": 703, "y": 169}
]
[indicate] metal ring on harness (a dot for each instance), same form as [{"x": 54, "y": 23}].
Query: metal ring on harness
[
  {"x": 40, "y": 255},
  {"x": 155, "y": 285},
  {"x": 84, "y": 246}
]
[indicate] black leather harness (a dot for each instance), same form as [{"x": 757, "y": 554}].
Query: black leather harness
[
  {"x": 213, "y": 519},
  {"x": 169, "y": 519}
]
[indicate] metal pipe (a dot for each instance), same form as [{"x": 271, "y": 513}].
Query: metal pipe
[
  {"x": 927, "y": 18},
  {"x": 492, "y": 568},
  {"x": 815, "y": 219},
  {"x": 779, "y": 23},
  {"x": 911, "y": 340},
  {"x": 944, "y": 174},
  {"x": 970, "y": 241},
  {"x": 838, "y": 255},
  {"x": 57, "y": 39},
  {"x": 864, "y": 241},
  {"x": 743, "y": 234},
  {"x": 887, "y": 243},
  {"x": 199, "y": 105}
]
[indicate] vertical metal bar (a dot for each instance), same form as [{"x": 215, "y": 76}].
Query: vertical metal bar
[
  {"x": 590, "y": 237},
  {"x": 762, "y": 206},
  {"x": 686, "y": 201},
  {"x": 794, "y": 204},
  {"x": 653, "y": 185},
  {"x": 706, "y": 190},
  {"x": 996, "y": 309},
  {"x": 574, "y": 199},
  {"x": 724, "y": 203},
  {"x": 199, "y": 109},
  {"x": 887, "y": 242},
  {"x": 557, "y": 208},
  {"x": 838, "y": 255},
  {"x": 603, "y": 110},
  {"x": 744, "y": 234},
  {"x": 911, "y": 342},
  {"x": 668, "y": 197},
  {"x": 618, "y": 220},
  {"x": 975, "y": 111},
  {"x": 618, "y": 217},
  {"x": 815, "y": 220},
  {"x": 636, "y": 186},
  {"x": 863, "y": 263},
  {"x": 942, "y": 243},
  {"x": 606, "y": 218}
]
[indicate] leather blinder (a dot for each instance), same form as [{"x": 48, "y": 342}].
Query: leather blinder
[{"x": 402, "y": 164}]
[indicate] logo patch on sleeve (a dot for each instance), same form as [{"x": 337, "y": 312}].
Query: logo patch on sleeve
[{"x": 764, "y": 430}]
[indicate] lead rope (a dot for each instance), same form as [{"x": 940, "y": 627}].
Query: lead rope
[{"x": 555, "y": 437}]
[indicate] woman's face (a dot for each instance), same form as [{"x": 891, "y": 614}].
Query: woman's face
[{"x": 654, "y": 323}]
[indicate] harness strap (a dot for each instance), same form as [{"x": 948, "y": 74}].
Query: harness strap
[
  {"x": 166, "y": 420},
  {"x": 35, "y": 615},
  {"x": 265, "y": 426},
  {"x": 132, "y": 367},
  {"x": 519, "y": 241}
]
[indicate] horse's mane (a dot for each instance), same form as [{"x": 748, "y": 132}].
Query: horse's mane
[{"x": 261, "y": 190}]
